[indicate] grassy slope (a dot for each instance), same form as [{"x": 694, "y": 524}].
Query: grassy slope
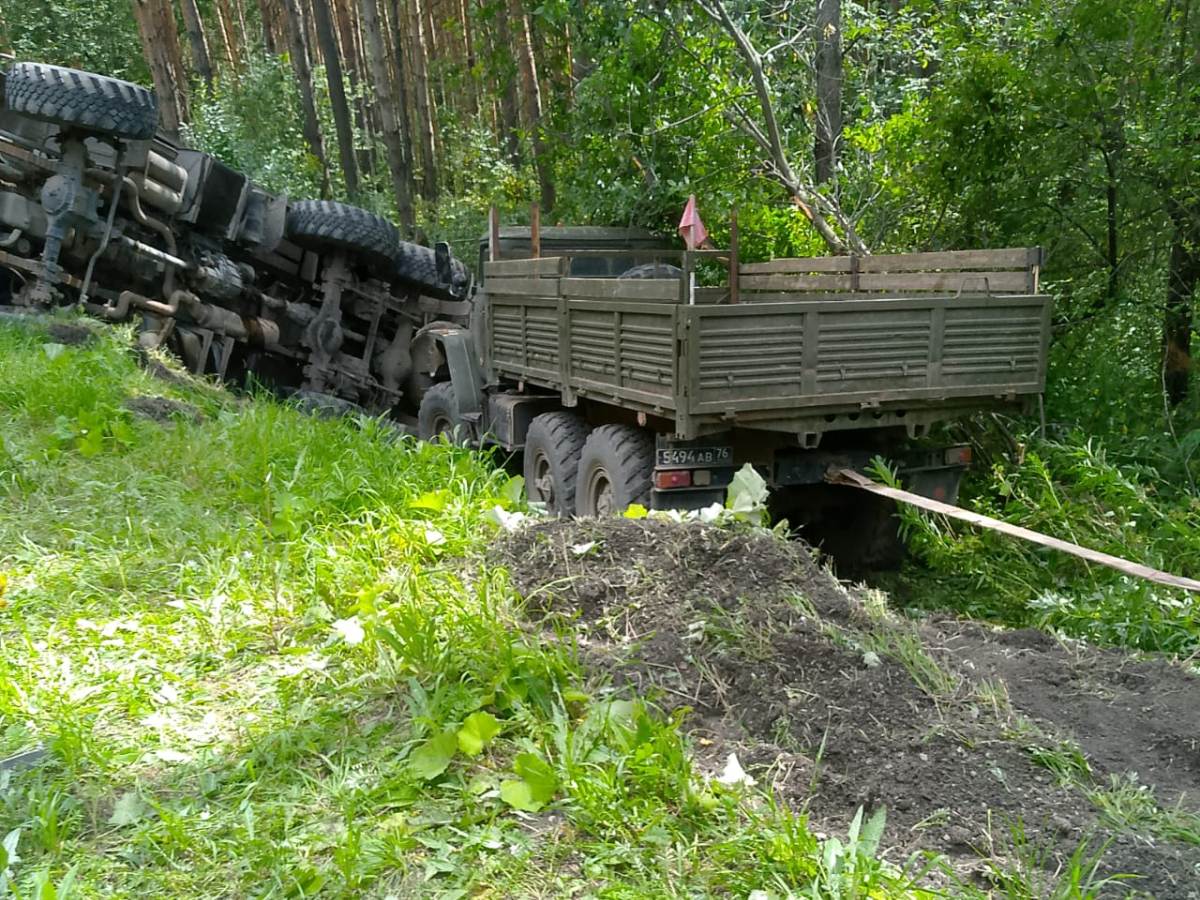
[{"x": 179, "y": 629}]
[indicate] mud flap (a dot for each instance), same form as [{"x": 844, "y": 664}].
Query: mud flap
[{"x": 465, "y": 374}]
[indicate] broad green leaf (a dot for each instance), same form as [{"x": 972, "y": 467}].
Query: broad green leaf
[
  {"x": 518, "y": 795},
  {"x": 435, "y": 501},
  {"x": 128, "y": 810},
  {"x": 513, "y": 490},
  {"x": 535, "y": 787},
  {"x": 747, "y": 493},
  {"x": 872, "y": 833},
  {"x": 431, "y": 758},
  {"x": 538, "y": 775},
  {"x": 477, "y": 732}
]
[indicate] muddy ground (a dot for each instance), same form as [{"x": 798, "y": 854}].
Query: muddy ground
[{"x": 963, "y": 732}]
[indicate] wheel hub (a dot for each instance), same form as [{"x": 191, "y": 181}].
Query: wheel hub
[
  {"x": 600, "y": 492},
  {"x": 543, "y": 482}
]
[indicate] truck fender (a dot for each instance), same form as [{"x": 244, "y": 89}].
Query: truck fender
[{"x": 441, "y": 343}]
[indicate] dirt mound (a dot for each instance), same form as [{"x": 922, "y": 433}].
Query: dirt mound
[
  {"x": 162, "y": 409},
  {"x": 840, "y": 704}
]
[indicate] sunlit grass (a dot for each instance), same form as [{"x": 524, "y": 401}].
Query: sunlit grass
[{"x": 251, "y": 645}]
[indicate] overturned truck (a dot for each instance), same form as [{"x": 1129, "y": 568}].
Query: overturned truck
[{"x": 309, "y": 297}]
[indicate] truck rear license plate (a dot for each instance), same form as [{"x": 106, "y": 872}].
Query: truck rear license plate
[{"x": 679, "y": 457}]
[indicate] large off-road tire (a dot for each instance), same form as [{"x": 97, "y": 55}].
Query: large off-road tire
[
  {"x": 438, "y": 416},
  {"x": 553, "y": 446},
  {"x": 615, "y": 470},
  {"x": 416, "y": 267},
  {"x": 653, "y": 270},
  {"x": 78, "y": 99},
  {"x": 324, "y": 225}
]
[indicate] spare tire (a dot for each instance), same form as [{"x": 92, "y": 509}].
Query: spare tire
[
  {"x": 416, "y": 267},
  {"x": 324, "y": 225},
  {"x": 78, "y": 99},
  {"x": 653, "y": 270}
]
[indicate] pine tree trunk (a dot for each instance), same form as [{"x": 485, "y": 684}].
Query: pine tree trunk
[
  {"x": 337, "y": 94},
  {"x": 160, "y": 44},
  {"x": 400, "y": 73},
  {"x": 469, "y": 79},
  {"x": 303, "y": 71},
  {"x": 828, "y": 128},
  {"x": 422, "y": 106},
  {"x": 239, "y": 7},
  {"x": 351, "y": 46},
  {"x": 398, "y": 163},
  {"x": 197, "y": 40},
  {"x": 510, "y": 123},
  {"x": 229, "y": 36},
  {"x": 268, "y": 15},
  {"x": 531, "y": 101}
]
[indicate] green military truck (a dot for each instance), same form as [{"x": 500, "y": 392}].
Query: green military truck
[{"x": 654, "y": 390}]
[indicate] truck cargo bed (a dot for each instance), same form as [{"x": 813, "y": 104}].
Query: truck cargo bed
[{"x": 801, "y": 365}]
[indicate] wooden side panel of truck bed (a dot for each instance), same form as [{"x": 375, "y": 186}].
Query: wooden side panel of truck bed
[
  {"x": 781, "y": 365},
  {"x": 840, "y": 352}
]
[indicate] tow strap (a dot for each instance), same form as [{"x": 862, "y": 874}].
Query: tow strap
[{"x": 850, "y": 478}]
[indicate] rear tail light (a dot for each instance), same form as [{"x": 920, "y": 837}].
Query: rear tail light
[
  {"x": 958, "y": 456},
  {"x": 673, "y": 478}
]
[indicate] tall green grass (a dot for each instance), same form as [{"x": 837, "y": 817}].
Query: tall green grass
[
  {"x": 1071, "y": 489},
  {"x": 266, "y": 660}
]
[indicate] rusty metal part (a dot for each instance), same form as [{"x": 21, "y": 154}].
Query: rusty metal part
[
  {"x": 135, "y": 207},
  {"x": 172, "y": 176},
  {"x": 157, "y": 195},
  {"x": 395, "y": 363},
  {"x": 113, "y": 202}
]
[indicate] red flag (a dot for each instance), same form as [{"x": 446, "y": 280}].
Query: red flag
[{"x": 690, "y": 227}]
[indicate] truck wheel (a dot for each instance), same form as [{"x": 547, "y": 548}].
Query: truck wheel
[
  {"x": 653, "y": 270},
  {"x": 81, "y": 100},
  {"x": 553, "y": 445},
  {"x": 614, "y": 470},
  {"x": 438, "y": 416},
  {"x": 329, "y": 225},
  {"x": 416, "y": 266}
]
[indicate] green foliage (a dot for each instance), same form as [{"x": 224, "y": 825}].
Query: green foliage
[
  {"x": 253, "y": 123},
  {"x": 96, "y": 35},
  {"x": 1074, "y": 491}
]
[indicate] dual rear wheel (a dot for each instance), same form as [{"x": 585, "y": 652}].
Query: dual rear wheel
[
  {"x": 589, "y": 472},
  {"x": 570, "y": 467}
]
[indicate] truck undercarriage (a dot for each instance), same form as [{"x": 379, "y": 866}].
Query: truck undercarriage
[{"x": 313, "y": 297}]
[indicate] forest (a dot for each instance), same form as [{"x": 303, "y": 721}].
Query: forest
[
  {"x": 329, "y": 672},
  {"x": 832, "y": 127}
]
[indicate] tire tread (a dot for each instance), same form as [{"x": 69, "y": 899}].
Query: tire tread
[{"x": 82, "y": 99}]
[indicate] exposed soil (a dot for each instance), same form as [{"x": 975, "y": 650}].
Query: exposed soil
[
  {"x": 162, "y": 409},
  {"x": 71, "y": 334},
  {"x": 836, "y": 703}
]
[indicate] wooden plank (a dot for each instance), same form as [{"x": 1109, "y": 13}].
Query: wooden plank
[
  {"x": 521, "y": 287},
  {"x": 854, "y": 479},
  {"x": 1007, "y": 258},
  {"x": 951, "y": 282},
  {"x": 654, "y": 289},
  {"x": 785, "y": 282},
  {"x": 548, "y": 265},
  {"x": 797, "y": 265}
]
